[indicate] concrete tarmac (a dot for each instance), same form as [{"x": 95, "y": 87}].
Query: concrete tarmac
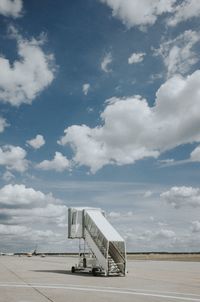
[{"x": 37, "y": 279}]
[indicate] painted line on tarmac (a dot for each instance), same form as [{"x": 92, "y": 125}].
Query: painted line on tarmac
[
  {"x": 124, "y": 289},
  {"x": 35, "y": 284},
  {"x": 93, "y": 289}
]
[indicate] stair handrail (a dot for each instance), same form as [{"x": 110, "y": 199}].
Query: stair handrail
[
  {"x": 104, "y": 253},
  {"x": 117, "y": 249}
]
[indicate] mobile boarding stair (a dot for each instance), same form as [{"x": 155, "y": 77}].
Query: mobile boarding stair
[{"x": 101, "y": 249}]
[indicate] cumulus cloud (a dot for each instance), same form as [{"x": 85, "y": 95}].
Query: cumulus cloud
[
  {"x": 155, "y": 77},
  {"x": 86, "y": 88},
  {"x": 8, "y": 176},
  {"x": 24, "y": 236},
  {"x": 40, "y": 234},
  {"x": 29, "y": 215},
  {"x": 143, "y": 13},
  {"x": 50, "y": 211},
  {"x": 3, "y": 124},
  {"x": 24, "y": 79},
  {"x": 37, "y": 142},
  {"x": 13, "y": 157},
  {"x": 194, "y": 157},
  {"x": 167, "y": 161},
  {"x": 182, "y": 196},
  {"x": 53, "y": 213},
  {"x": 114, "y": 214},
  {"x": 139, "y": 12},
  {"x": 186, "y": 10},
  {"x": 15, "y": 195},
  {"x": 165, "y": 233},
  {"x": 178, "y": 54},
  {"x": 132, "y": 130},
  {"x": 120, "y": 216},
  {"x": 11, "y": 8},
  {"x": 195, "y": 226},
  {"x": 106, "y": 62},
  {"x": 136, "y": 58},
  {"x": 27, "y": 205},
  {"x": 160, "y": 238},
  {"x": 59, "y": 163},
  {"x": 148, "y": 194},
  {"x": 13, "y": 229},
  {"x": 168, "y": 242},
  {"x": 195, "y": 154}
]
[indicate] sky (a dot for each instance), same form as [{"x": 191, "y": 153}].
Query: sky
[{"x": 100, "y": 107}]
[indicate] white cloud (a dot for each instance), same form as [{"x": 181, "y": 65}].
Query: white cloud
[
  {"x": 132, "y": 130},
  {"x": 50, "y": 216},
  {"x": 11, "y": 8},
  {"x": 129, "y": 214},
  {"x": 23, "y": 80},
  {"x": 37, "y": 142},
  {"x": 8, "y": 176},
  {"x": 114, "y": 214},
  {"x": 139, "y": 12},
  {"x": 167, "y": 240},
  {"x": 13, "y": 230},
  {"x": 155, "y": 77},
  {"x": 164, "y": 233},
  {"x": 167, "y": 161},
  {"x": 35, "y": 211},
  {"x": 178, "y": 54},
  {"x": 144, "y": 13},
  {"x": 3, "y": 124},
  {"x": 90, "y": 109},
  {"x": 194, "y": 157},
  {"x": 121, "y": 216},
  {"x": 136, "y": 58},
  {"x": 58, "y": 163},
  {"x": 86, "y": 88},
  {"x": 20, "y": 195},
  {"x": 195, "y": 154},
  {"x": 195, "y": 226},
  {"x": 26, "y": 205},
  {"x": 40, "y": 217},
  {"x": 26, "y": 234},
  {"x": 160, "y": 235},
  {"x": 28, "y": 215},
  {"x": 148, "y": 194},
  {"x": 182, "y": 196},
  {"x": 50, "y": 211},
  {"x": 39, "y": 234},
  {"x": 186, "y": 10},
  {"x": 13, "y": 157},
  {"x": 106, "y": 62}
]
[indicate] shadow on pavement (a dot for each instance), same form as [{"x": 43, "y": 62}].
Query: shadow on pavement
[{"x": 65, "y": 272}]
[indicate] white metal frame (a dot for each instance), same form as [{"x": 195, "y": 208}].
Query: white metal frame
[{"x": 107, "y": 250}]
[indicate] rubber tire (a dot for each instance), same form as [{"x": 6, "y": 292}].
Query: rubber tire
[
  {"x": 94, "y": 271},
  {"x": 73, "y": 269}
]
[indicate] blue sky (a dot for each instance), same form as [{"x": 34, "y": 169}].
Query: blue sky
[{"x": 100, "y": 107}]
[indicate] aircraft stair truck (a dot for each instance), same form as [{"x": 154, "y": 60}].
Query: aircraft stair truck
[{"x": 101, "y": 249}]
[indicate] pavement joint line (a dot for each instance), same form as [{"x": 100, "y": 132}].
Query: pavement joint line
[
  {"x": 25, "y": 283},
  {"x": 38, "y": 291},
  {"x": 35, "y": 284},
  {"x": 99, "y": 290}
]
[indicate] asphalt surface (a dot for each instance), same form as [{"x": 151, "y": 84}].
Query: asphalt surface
[{"x": 37, "y": 279}]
